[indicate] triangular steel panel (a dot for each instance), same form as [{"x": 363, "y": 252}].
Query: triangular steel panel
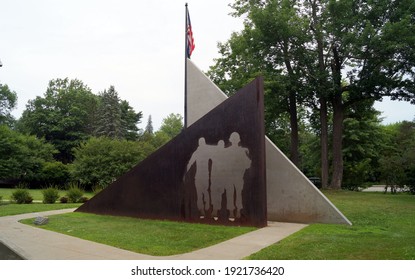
[{"x": 212, "y": 172}]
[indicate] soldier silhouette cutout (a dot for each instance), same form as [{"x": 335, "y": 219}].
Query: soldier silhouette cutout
[{"x": 219, "y": 174}]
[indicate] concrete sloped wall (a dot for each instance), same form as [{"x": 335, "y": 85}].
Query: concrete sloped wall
[{"x": 291, "y": 197}]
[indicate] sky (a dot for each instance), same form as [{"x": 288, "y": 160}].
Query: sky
[{"x": 136, "y": 46}]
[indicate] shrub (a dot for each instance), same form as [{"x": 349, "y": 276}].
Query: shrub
[
  {"x": 63, "y": 199},
  {"x": 97, "y": 189},
  {"x": 74, "y": 194},
  {"x": 21, "y": 196},
  {"x": 23, "y": 185},
  {"x": 50, "y": 195},
  {"x": 83, "y": 199}
]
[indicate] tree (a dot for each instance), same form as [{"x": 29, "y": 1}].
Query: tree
[
  {"x": 23, "y": 157},
  {"x": 254, "y": 51},
  {"x": 8, "y": 101},
  {"x": 332, "y": 55},
  {"x": 149, "y": 127},
  {"x": 172, "y": 125},
  {"x": 129, "y": 121},
  {"x": 362, "y": 59},
  {"x": 54, "y": 173},
  {"x": 109, "y": 115},
  {"x": 397, "y": 160},
  {"x": 69, "y": 113},
  {"x": 63, "y": 116},
  {"x": 278, "y": 38},
  {"x": 100, "y": 161},
  {"x": 116, "y": 118},
  {"x": 363, "y": 141},
  {"x": 370, "y": 44},
  {"x": 285, "y": 53}
]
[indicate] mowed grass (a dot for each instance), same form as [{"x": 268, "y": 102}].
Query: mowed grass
[
  {"x": 383, "y": 229},
  {"x": 157, "y": 238},
  {"x": 8, "y": 209}
]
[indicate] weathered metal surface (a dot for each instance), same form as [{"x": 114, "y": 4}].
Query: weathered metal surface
[{"x": 213, "y": 172}]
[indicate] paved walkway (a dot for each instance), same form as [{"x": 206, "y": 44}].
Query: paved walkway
[
  {"x": 34, "y": 243},
  {"x": 380, "y": 188},
  {"x": 375, "y": 188}
]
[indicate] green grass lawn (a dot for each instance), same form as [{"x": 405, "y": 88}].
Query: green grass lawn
[
  {"x": 8, "y": 209},
  {"x": 157, "y": 238},
  {"x": 383, "y": 228}
]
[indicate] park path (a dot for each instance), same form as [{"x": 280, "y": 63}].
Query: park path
[{"x": 33, "y": 243}]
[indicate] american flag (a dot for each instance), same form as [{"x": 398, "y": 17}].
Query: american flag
[{"x": 190, "y": 41}]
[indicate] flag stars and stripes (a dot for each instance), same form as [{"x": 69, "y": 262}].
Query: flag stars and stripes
[{"x": 190, "y": 39}]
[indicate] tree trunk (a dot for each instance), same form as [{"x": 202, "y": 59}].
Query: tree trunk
[
  {"x": 338, "y": 116},
  {"x": 292, "y": 104},
  {"x": 321, "y": 92},
  {"x": 295, "y": 157},
  {"x": 324, "y": 144}
]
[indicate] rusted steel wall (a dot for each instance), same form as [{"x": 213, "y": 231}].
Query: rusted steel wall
[{"x": 212, "y": 172}]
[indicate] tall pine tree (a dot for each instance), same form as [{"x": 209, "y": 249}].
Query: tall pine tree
[{"x": 109, "y": 122}]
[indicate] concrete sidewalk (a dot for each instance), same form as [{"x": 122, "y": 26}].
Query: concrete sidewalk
[
  {"x": 34, "y": 243},
  {"x": 381, "y": 188}
]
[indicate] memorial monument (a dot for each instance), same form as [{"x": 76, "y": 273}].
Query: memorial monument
[
  {"x": 212, "y": 172},
  {"x": 220, "y": 169}
]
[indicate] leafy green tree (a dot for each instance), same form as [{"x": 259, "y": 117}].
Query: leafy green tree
[
  {"x": 254, "y": 52},
  {"x": 372, "y": 40},
  {"x": 23, "y": 157},
  {"x": 362, "y": 143},
  {"x": 54, "y": 173},
  {"x": 172, "y": 125},
  {"x": 8, "y": 101},
  {"x": 310, "y": 152},
  {"x": 278, "y": 39},
  {"x": 62, "y": 116},
  {"x": 100, "y": 161},
  {"x": 158, "y": 139},
  {"x": 397, "y": 161},
  {"x": 331, "y": 54},
  {"x": 129, "y": 121}
]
